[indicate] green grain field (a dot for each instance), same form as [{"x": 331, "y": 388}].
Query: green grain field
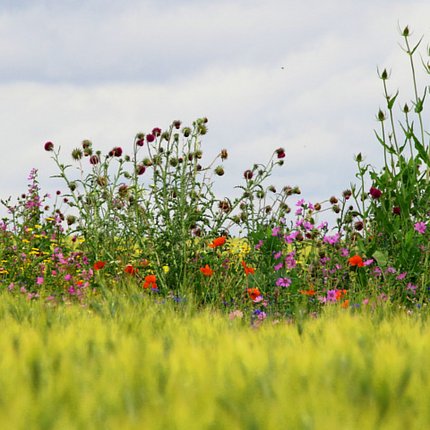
[{"x": 131, "y": 363}]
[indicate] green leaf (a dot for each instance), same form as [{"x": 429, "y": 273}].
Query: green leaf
[
  {"x": 391, "y": 101},
  {"x": 381, "y": 258}
]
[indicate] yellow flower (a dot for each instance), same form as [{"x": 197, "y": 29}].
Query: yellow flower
[
  {"x": 166, "y": 269},
  {"x": 238, "y": 246}
]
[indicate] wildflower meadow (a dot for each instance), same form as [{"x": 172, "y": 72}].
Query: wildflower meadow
[{"x": 137, "y": 297}]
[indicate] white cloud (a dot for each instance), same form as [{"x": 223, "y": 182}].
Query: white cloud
[{"x": 106, "y": 70}]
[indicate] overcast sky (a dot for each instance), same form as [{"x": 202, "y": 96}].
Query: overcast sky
[{"x": 267, "y": 74}]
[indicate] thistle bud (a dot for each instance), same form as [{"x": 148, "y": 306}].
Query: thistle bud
[
  {"x": 102, "y": 181},
  {"x": 71, "y": 219},
  {"x": 248, "y": 174},
  {"x": 86, "y": 144},
  {"x": 224, "y": 154},
  {"x": 140, "y": 169},
  {"x": 359, "y": 225},
  {"x": 147, "y": 162},
  {"x": 72, "y": 186},
  {"x": 219, "y": 170},
  {"x": 186, "y": 131},
  {"x": 297, "y": 190},
  {"x": 280, "y": 153},
  {"x": 333, "y": 200},
  {"x": 347, "y": 194},
  {"x": 177, "y": 124},
  {"x": 49, "y": 146},
  {"x": 77, "y": 154},
  {"x": 405, "y": 31},
  {"x": 384, "y": 75},
  {"x": 94, "y": 159},
  {"x": 317, "y": 206}
]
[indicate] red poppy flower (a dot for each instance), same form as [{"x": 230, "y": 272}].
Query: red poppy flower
[
  {"x": 150, "y": 282},
  {"x": 310, "y": 292},
  {"x": 99, "y": 265},
  {"x": 356, "y": 260},
  {"x": 253, "y": 293},
  {"x": 130, "y": 269},
  {"x": 248, "y": 270},
  {"x": 207, "y": 271},
  {"x": 219, "y": 241}
]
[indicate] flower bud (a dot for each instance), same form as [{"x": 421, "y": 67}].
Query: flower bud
[
  {"x": 317, "y": 206},
  {"x": 359, "y": 225},
  {"x": 333, "y": 200},
  {"x": 219, "y": 170},
  {"x": 224, "y": 154},
  {"x": 77, "y": 154},
  {"x": 86, "y": 144},
  {"x": 49, "y": 146},
  {"x": 347, "y": 194},
  {"x": 102, "y": 181},
  {"x": 381, "y": 116},
  {"x": 186, "y": 131},
  {"x": 71, "y": 219},
  {"x": 140, "y": 142},
  {"x": 147, "y": 162},
  {"x": 280, "y": 153},
  {"x": 94, "y": 159},
  {"x": 177, "y": 124},
  {"x": 150, "y": 138},
  {"x": 248, "y": 174},
  {"x": 140, "y": 169}
]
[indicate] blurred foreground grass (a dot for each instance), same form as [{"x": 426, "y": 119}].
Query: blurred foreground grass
[{"x": 134, "y": 364}]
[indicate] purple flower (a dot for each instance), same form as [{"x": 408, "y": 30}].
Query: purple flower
[
  {"x": 420, "y": 227},
  {"x": 331, "y": 239},
  {"x": 277, "y": 255},
  {"x": 331, "y": 295},
  {"x": 275, "y": 231},
  {"x": 283, "y": 282},
  {"x": 401, "y": 276},
  {"x": 278, "y": 266},
  {"x": 290, "y": 262}
]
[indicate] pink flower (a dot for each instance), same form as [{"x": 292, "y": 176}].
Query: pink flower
[
  {"x": 420, "y": 227},
  {"x": 39, "y": 280}
]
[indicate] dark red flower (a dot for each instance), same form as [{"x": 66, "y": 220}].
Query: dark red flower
[
  {"x": 49, "y": 146},
  {"x": 375, "y": 193},
  {"x": 150, "y": 138},
  {"x": 396, "y": 210},
  {"x": 116, "y": 152},
  {"x": 280, "y": 153},
  {"x": 156, "y": 131},
  {"x": 94, "y": 159},
  {"x": 248, "y": 174},
  {"x": 140, "y": 169},
  {"x": 140, "y": 142}
]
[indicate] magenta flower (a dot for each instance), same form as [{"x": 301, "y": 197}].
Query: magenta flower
[
  {"x": 375, "y": 193},
  {"x": 283, "y": 282},
  {"x": 278, "y": 266},
  {"x": 39, "y": 280},
  {"x": 150, "y": 138},
  {"x": 420, "y": 227}
]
